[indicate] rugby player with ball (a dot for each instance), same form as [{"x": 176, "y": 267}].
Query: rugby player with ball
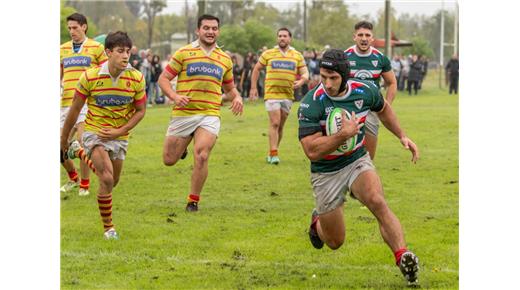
[{"x": 339, "y": 165}]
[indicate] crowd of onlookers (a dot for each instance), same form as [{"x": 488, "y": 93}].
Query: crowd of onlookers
[
  {"x": 151, "y": 66},
  {"x": 410, "y": 72}
]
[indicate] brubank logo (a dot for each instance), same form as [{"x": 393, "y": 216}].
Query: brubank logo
[
  {"x": 76, "y": 61},
  {"x": 278, "y": 64},
  {"x": 206, "y": 69},
  {"x": 112, "y": 100}
]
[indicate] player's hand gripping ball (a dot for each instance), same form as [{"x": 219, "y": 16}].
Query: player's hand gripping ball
[{"x": 333, "y": 125}]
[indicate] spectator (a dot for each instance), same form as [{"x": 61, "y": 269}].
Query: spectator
[
  {"x": 236, "y": 71},
  {"x": 452, "y": 69},
  {"x": 134, "y": 60},
  {"x": 424, "y": 70},
  {"x": 414, "y": 75},
  {"x": 245, "y": 77},
  {"x": 405, "y": 70},
  {"x": 156, "y": 70},
  {"x": 396, "y": 67}
]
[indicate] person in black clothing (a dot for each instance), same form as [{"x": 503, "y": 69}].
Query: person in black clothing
[
  {"x": 414, "y": 75},
  {"x": 452, "y": 68},
  {"x": 245, "y": 77},
  {"x": 236, "y": 72},
  {"x": 156, "y": 71},
  {"x": 135, "y": 60}
]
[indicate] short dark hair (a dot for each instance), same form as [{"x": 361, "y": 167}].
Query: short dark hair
[
  {"x": 79, "y": 18},
  {"x": 364, "y": 24},
  {"x": 118, "y": 38},
  {"x": 284, "y": 29},
  {"x": 207, "y": 17}
]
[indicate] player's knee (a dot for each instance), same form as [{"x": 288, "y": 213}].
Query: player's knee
[
  {"x": 376, "y": 201},
  {"x": 201, "y": 156},
  {"x": 169, "y": 160},
  {"x": 335, "y": 244},
  {"x": 106, "y": 178},
  {"x": 275, "y": 125}
]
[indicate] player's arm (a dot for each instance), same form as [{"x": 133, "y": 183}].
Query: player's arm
[
  {"x": 113, "y": 133},
  {"x": 390, "y": 121},
  {"x": 253, "y": 92},
  {"x": 77, "y": 103},
  {"x": 390, "y": 85},
  {"x": 316, "y": 146},
  {"x": 232, "y": 94},
  {"x": 304, "y": 77},
  {"x": 164, "y": 83}
]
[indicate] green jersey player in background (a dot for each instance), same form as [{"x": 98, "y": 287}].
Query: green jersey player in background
[
  {"x": 333, "y": 173},
  {"x": 368, "y": 63}
]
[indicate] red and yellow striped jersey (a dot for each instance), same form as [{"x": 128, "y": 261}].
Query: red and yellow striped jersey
[
  {"x": 200, "y": 77},
  {"x": 110, "y": 101},
  {"x": 281, "y": 70},
  {"x": 90, "y": 54}
]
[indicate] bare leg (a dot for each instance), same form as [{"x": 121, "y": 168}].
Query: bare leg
[
  {"x": 274, "y": 127},
  {"x": 173, "y": 149},
  {"x": 331, "y": 228},
  {"x": 204, "y": 142},
  {"x": 371, "y": 145},
  {"x": 368, "y": 190},
  {"x": 283, "y": 118}
]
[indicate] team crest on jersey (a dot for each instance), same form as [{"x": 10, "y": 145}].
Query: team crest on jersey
[
  {"x": 359, "y": 104},
  {"x": 192, "y": 53},
  {"x": 99, "y": 83},
  {"x": 352, "y": 63},
  {"x": 374, "y": 62},
  {"x": 128, "y": 84}
]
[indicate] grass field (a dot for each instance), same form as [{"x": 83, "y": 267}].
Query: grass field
[{"x": 250, "y": 231}]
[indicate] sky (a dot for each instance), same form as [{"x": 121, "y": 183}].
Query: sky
[{"x": 371, "y": 7}]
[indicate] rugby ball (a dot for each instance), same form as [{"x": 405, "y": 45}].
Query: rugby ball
[{"x": 333, "y": 125}]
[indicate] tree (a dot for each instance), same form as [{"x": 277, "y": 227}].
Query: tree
[
  {"x": 65, "y": 11},
  {"x": 150, "y": 10},
  {"x": 324, "y": 17},
  {"x": 420, "y": 46}
]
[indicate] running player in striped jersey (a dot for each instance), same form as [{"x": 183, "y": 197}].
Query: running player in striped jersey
[
  {"x": 333, "y": 173},
  {"x": 283, "y": 63},
  {"x": 115, "y": 95},
  {"x": 368, "y": 63},
  {"x": 203, "y": 70},
  {"x": 76, "y": 56}
]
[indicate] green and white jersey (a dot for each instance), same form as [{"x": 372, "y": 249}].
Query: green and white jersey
[
  {"x": 367, "y": 66},
  {"x": 361, "y": 98}
]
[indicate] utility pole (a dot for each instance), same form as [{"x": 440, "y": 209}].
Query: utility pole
[
  {"x": 187, "y": 16},
  {"x": 456, "y": 30},
  {"x": 441, "y": 53},
  {"x": 305, "y": 21},
  {"x": 388, "y": 44}
]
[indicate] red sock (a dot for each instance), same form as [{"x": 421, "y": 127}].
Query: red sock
[
  {"x": 193, "y": 198},
  {"x": 273, "y": 153},
  {"x": 84, "y": 183},
  {"x": 73, "y": 175},
  {"x": 398, "y": 255}
]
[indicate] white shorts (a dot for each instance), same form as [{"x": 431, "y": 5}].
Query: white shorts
[
  {"x": 64, "y": 111},
  {"x": 185, "y": 126},
  {"x": 330, "y": 187},
  {"x": 372, "y": 124},
  {"x": 273, "y": 105},
  {"x": 116, "y": 148}
]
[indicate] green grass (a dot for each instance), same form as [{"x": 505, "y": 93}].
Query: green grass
[{"x": 250, "y": 231}]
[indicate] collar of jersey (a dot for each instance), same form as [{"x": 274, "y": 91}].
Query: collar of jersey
[
  {"x": 339, "y": 98},
  {"x": 104, "y": 69},
  {"x": 196, "y": 44},
  {"x": 80, "y": 47},
  {"x": 363, "y": 55}
]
